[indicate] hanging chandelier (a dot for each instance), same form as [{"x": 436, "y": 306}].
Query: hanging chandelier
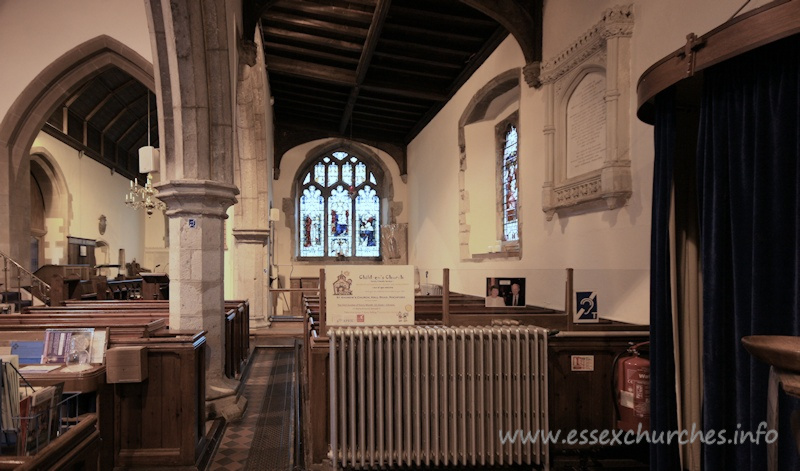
[{"x": 144, "y": 197}]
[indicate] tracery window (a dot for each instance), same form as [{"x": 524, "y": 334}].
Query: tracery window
[{"x": 339, "y": 208}]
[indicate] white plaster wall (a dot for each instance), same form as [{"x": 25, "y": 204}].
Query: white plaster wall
[
  {"x": 94, "y": 190},
  {"x": 34, "y": 34},
  {"x": 609, "y": 250},
  {"x": 156, "y": 252}
]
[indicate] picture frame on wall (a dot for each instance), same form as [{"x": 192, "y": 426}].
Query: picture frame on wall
[{"x": 505, "y": 292}]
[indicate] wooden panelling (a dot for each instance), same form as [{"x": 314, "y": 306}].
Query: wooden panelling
[{"x": 160, "y": 421}]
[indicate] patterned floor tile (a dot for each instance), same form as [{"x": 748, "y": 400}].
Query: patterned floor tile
[{"x": 234, "y": 448}]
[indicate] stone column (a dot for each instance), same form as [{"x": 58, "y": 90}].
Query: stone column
[
  {"x": 251, "y": 175},
  {"x": 196, "y": 210},
  {"x": 252, "y": 261}
]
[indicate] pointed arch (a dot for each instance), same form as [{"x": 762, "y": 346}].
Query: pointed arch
[
  {"x": 28, "y": 114},
  {"x": 372, "y": 203}
]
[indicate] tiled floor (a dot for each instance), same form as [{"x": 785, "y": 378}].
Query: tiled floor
[{"x": 234, "y": 447}]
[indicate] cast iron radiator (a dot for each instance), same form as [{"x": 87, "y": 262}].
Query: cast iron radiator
[{"x": 437, "y": 396}]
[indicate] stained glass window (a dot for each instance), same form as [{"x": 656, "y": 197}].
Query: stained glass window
[
  {"x": 340, "y": 205},
  {"x": 312, "y": 211},
  {"x": 368, "y": 207},
  {"x": 509, "y": 182},
  {"x": 361, "y": 173},
  {"x": 333, "y": 174},
  {"x": 347, "y": 173},
  {"x": 319, "y": 173},
  {"x": 339, "y": 208}
]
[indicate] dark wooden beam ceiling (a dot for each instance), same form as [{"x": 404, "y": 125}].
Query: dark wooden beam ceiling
[
  {"x": 379, "y": 70},
  {"x": 374, "y": 33}
]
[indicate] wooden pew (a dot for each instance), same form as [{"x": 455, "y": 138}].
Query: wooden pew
[
  {"x": 160, "y": 423},
  {"x": 120, "y": 327},
  {"x": 156, "y": 424},
  {"x": 468, "y": 310},
  {"x": 236, "y": 322},
  {"x": 77, "y": 449}
]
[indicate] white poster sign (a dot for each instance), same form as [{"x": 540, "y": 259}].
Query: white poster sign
[{"x": 369, "y": 295}]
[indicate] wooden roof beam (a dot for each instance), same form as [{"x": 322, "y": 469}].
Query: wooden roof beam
[
  {"x": 322, "y": 73},
  {"x": 331, "y": 12},
  {"x": 111, "y": 94},
  {"x": 310, "y": 39},
  {"x": 299, "y": 22},
  {"x": 373, "y": 35},
  {"x": 428, "y": 95},
  {"x": 122, "y": 112},
  {"x": 292, "y": 50}
]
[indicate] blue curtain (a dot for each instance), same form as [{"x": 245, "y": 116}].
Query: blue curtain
[
  {"x": 663, "y": 417},
  {"x": 748, "y": 173}
]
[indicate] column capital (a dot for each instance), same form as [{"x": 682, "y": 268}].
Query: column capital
[
  {"x": 197, "y": 197},
  {"x": 251, "y": 236}
]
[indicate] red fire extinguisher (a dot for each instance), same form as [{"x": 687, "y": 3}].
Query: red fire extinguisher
[{"x": 631, "y": 385}]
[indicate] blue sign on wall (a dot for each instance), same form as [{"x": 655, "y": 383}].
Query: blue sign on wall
[{"x": 586, "y": 306}]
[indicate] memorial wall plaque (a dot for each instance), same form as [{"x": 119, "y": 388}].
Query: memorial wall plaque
[{"x": 586, "y": 126}]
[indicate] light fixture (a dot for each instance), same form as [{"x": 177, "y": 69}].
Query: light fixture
[{"x": 144, "y": 197}]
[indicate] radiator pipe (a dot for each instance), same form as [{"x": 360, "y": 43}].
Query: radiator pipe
[
  {"x": 446, "y": 297},
  {"x": 568, "y": 306},
  {"x": 323, "y": 321},
  {"x": 334, "y": 406}
]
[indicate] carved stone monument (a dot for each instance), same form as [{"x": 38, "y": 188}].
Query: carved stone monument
[{"x": 587, "y": 128}]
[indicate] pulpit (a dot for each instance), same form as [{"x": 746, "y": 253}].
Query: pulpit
[{"x": 782, "y": 353}]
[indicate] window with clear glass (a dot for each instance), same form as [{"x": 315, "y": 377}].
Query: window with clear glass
[{"x": 339, "y": 208}]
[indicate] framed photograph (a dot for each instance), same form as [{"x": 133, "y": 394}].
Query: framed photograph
[{"x": 505, "y": 292}]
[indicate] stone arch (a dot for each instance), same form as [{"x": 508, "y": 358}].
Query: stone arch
[
  {"x": 191, "y": 52},
  {"x": 29, "y": 112},
  {"x": 477, "y": 110},
  {"x": 382, "y": 175},
  {"x": 57, "y": 201}
]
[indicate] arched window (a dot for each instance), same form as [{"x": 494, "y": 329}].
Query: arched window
[
  {"x": 339, "y": 208},
  {"x": 490, "y": 207}
]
